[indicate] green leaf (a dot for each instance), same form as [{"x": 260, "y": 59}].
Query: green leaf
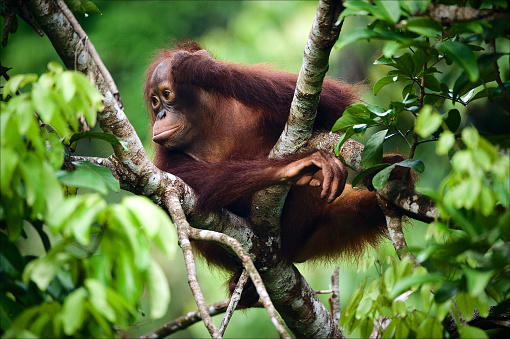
[
  {"x": 446, "y": 291},
  {"x": 55, "y": 68},
  {"x": 73, "y": 311},
  {"x": 464, "y": 85},
  {"x": 485, "y": 92},
  {"x": 409, "y": 90},
  {"x": 367, "y": 172},
  {"x": 59, "y": 216},
  {"x": 348, "y": 133},
  {"x": 477, "y": 280},
  {"x": 364, "y": 307},
  {"x": 358, "y": 7},
  {"x": 405, "y": 65},
  {"x": 453, "y": 119},
  {"x": 424, "y": 26},
  {"x": 470, "y": 137},
  {"x": 399, "y": 310},
  {"x": 378, "y": 110},
  {"x": 389, "y": 279},
  {"x": 373, "y": 151},
  {"x": 93, "y": 100},
  {"x": 108, "y": 137},
  {"x": 462, "y": 55},
  {"x": 427, "y": 122},
  {"x": 406, "y": 283},
  {"x": 487, "y": 201},
  {"x": 82, "y": 6},
  {"x": 472, "y": 332},
  {"x": 158, "y": 289},
  {"x": 415, "y": 164},
  {"x": 353, "y": 115},
  {"x": 8, "y": 165},
  {"x": 432, "y": 83},
  {"x": 389, "y": 10},
  {"x": 98, "y": 299},
  {"x": 67, "y": 85},
  {"x": 384, "y": 60},
  {"x": 353, "y": 35},
  {"x": 53, "y": 195},
  {"x": 140, "y": 207},
  {"x": 360, "y": 129},
  {"x": 126, "y": 276},
  {"x": 442, "y": 310},
  {"x": 120, "y": 304},
  {"x": 31, "y": 170},
  {"x": 17, "y": 82},
  {"x": 430, "y": 328},
  {"x": 100, "y": 320},
  {"x": 128, "y": 228},
  {"x": 351, "y": 306},
  {"x": 381, "y": 178},
  {"x": 91, "y": 176},
  {"x": 365, "y": 327},
  {"x": 42, "y": 98},
  {"x": 410, "y": 99},
  {"x": 42, "y": 270},
  {"x": 391, "y": 47},
  {"x": 55, "y": 150},
  {"x": 383, "y": 82},
  {"x": 82, "y": 220},
  {"x": 445, "y": 143},
  {"x": 466, "y": 304}
]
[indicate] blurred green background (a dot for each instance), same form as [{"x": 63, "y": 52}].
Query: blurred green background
[{"x": 275, "y": 32}]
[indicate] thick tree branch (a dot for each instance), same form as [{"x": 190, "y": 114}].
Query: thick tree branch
[
  {"x": 308, "y": 317},
  {"x": 447, "y": 15},
  {"x": 322, "y": 37}
]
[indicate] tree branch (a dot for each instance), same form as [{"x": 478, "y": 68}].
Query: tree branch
[
  {"x": 334, "y": 300},
  {"x": 309, "y": 317},
  {"x": 233, "y": 244},
  {"x": 234, "y": 300},
  {"x": 187, "y": 320},
  {"x": 268, "y": 204},
  {"x": 173, "y": 205},
  {"x": 447, "y": 15}
]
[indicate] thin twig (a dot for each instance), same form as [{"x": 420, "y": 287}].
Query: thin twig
[
  {"x": 183, "y": 230},
  {"x": 394, "y": 225},
  {"x": 234, "y": 300},
  {"x": 189, "y": 319},
  {"x": 206, "y": 235},
  {"x": 334, "y": 300}
]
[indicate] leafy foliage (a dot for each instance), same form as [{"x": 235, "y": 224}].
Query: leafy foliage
[
  {"x": 465, "y": 265},
  {"x": 97, "y": 258}
]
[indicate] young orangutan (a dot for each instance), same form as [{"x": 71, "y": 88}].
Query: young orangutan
[{"x": 214, "y": 124}]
